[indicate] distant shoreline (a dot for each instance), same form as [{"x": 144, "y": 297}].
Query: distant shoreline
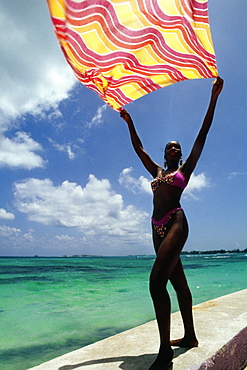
[
  {"x": 216, "y": 251},
  {"x": 194, "y": 252}
]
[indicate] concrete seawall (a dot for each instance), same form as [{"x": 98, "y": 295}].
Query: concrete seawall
[{"x": 221, "y": 330}]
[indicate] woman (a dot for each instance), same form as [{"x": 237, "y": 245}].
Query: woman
[{"x": 170, "y": 231}]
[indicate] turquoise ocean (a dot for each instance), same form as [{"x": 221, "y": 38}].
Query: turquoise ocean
[{"x": 51, "y": 306}]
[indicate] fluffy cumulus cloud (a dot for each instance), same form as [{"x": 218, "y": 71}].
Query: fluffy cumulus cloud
[
  {"x": 94, "y": 209},
  {"x": 34, "y": 77},
  {"x": 4, "y": 215},
  {"x": 20, "y": 151},
  {"x": 15, "y": 242},
  {"x": 9, "y": 232},
  {"x": 33, "y": 74},
  {"x": 196, "y": 184},
  {"x": 142, "y": 184},
  {"x": 134, "y": 185}
]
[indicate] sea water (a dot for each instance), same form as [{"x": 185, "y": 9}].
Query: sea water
[{"x": 51, "y": 306}]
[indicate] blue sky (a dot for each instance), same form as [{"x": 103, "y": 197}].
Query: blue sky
[{"x": 70, "y": 180}]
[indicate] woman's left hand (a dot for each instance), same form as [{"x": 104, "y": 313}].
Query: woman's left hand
[{"x": 125, "y": 115}]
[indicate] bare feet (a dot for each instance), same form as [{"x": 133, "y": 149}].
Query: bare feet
[
  {"x": 184, "y": 342},
  {"x": 163, "y": 360}
]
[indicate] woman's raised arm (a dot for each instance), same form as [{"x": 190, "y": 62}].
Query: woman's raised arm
[
  {"x": 149, "y": 164},
  {"x": 189, "y": 165}
]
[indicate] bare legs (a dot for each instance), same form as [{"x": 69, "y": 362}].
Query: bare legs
[
  {"x": 162, "y": 306},
  {"x": 184, "y": 297},
  {"x": 168, "y": 266}
]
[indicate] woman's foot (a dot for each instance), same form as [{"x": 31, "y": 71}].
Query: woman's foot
[
  {"x": 163, "y": 360},
  {"x": 184, "y": 342}
]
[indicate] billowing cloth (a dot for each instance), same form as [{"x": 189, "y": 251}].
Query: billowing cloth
[{"x": 124, "y": 49}]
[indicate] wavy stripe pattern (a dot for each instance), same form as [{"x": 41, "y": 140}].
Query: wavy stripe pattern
[{"x": 124, "y": 49}]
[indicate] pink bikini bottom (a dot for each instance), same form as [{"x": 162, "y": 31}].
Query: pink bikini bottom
[{"x": 161, "y": 225}]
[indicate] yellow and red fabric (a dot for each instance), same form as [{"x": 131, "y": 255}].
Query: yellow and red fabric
[{"x": 124, "y": 49}]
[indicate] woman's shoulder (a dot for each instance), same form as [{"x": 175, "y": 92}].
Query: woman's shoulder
[
  {"x": 185, "y": 171},
  {"x": 159, "y": 172}
]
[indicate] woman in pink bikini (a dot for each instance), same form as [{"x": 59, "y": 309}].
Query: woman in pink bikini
[{"x": 170, "y": 231}]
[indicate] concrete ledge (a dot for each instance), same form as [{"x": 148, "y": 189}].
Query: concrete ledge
[
  {"x": 232, "y": 355},
  {"x": 217, "y": 323}
]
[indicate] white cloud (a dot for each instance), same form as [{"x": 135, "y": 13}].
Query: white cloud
[
  {"x": 196, "y": 183},
  {"x": 29, "y": 237},
  {"x": 65, "y": 238},
  {"x": 94, "y": 209},
  {"x": 4, "y": 215},
  {"x": 135, "y": 185},
  {"x": 34, "y": 75},
  {"x": 97, "y": 118},
  {"x": 63, "y": 148},
  {"x": 9, "y": 232},
  {"x": 15, "y": 242},
  {"x": 19, "y": 152},
  {"x": 235, "y": 173}
]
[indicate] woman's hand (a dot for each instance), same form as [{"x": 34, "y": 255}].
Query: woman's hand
[
  {"x": 218, "y": 86},
  {"x": 125, "y": 115}
]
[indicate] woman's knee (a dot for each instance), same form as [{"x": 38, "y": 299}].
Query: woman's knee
[{"x": 157, "y": 282}]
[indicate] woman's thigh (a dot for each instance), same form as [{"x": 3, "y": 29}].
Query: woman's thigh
[{"x": 169, "y": 248}]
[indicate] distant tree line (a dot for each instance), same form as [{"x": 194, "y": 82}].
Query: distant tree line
[{"x": 216, "y": 251}]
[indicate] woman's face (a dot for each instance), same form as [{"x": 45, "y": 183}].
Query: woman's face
[{"x": 173, "y": 151}]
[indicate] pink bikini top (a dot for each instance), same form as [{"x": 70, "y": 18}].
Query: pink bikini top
[{"x": 175, "y": 178}]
